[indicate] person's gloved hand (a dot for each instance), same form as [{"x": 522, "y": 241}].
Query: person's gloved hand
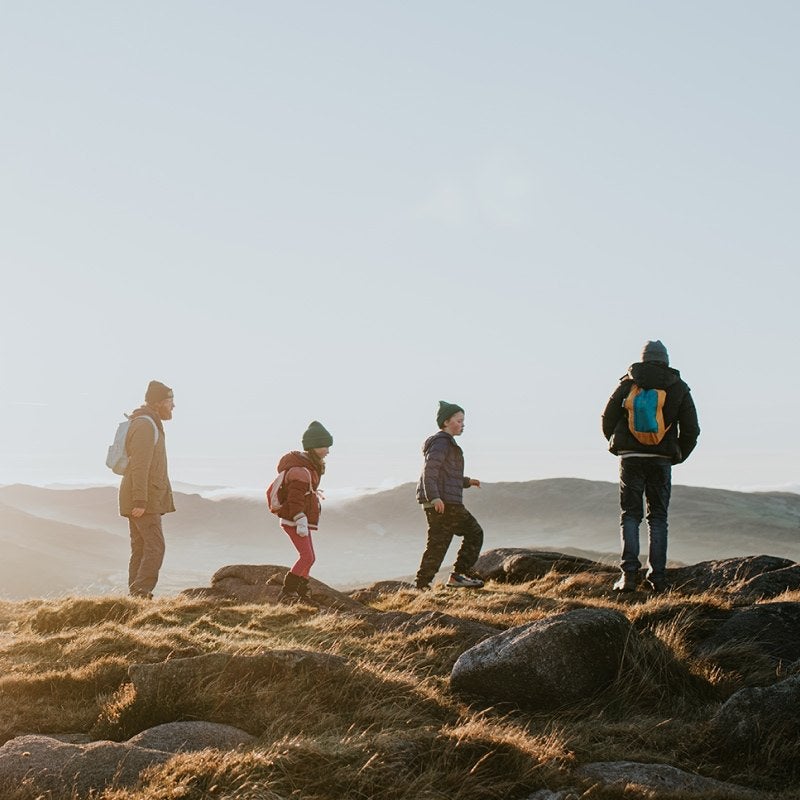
[{"x": 302, "y": 526}]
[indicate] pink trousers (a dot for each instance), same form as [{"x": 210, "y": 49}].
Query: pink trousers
[{"x": 305, "y": 549}]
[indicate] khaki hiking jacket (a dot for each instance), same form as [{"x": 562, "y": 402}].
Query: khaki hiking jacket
[{"x": 145, "y": 483}]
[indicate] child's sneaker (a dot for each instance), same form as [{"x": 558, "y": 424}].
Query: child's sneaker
[{"x": 459, "y": 581}]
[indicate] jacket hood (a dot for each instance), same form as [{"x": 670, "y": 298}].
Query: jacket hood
[
  {"x": 295, "y": 459},
  {"x": 652, "y": 375},
  {"x": 438, "y": 435}
]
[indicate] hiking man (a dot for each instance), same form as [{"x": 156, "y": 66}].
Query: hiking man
[
  {"x": 440, "y": 492},
  {"x": 145, "y": 492},
  {"x": 650, "y": 422}
]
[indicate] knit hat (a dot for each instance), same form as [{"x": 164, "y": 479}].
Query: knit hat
[
  {"x": 655, "y": 351},
  {"x": 316, "y": 436},
  {"x": 446, "y": 410},
  {"x": 156, "y": 392}
]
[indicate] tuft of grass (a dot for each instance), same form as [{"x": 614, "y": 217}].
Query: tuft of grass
[{"x": 81, "y": 613}]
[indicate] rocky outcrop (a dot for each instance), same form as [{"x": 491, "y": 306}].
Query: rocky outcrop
[
  {"x": 49, "y": 765},
  {"x": 519, "y": 564},
  {"x": 754, "y": 719},
  {"x": 752, "y": 576},
  {"x": 184, "y": 737},
  {"x": 553, "y": 662},
  {"x": 661, "y": 780},
  {"x": 261, "y": 583}
]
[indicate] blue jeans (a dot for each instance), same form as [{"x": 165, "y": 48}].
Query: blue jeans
[{"x": 642, "y": 479}]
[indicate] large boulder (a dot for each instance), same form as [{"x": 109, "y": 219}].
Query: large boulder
[
  {"x": 661, "y": 780},
  {"x": 773, "y": 628},
  {"x": 553, "y": 662},
  {"x": 753, "y": 720},
  {"x": 261, "y": 583},
  {"x": 520, "y": 564},
  {"x": 49, "y": 765},
  {"x": 190, "y": 736}
]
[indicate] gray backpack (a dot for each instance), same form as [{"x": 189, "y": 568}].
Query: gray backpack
[{"x": 117, "y": 458}]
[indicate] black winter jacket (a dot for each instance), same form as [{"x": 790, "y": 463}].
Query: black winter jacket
[
  {"x": 443, "y": 473},
  {"x": 680, "y": 415}
]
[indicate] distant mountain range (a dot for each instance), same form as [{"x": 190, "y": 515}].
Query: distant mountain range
[{"x": 62, "y": 541}]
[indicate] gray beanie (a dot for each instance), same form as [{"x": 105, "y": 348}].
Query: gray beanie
[{"x": 655, "y": 351}]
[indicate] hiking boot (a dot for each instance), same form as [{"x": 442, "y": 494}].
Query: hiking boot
[
  {"x": 303, "y": 592},
  {"x": 458, "y": 580},
  {"x": 627, "y": 582},
  {"x": 422, "y": 586},
  {"x": 657, "y": 584},
  {"x": 289, "y": 588}
]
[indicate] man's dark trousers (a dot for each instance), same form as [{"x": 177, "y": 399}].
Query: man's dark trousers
[
  {"x": 147, "y": 553},
  {"x": 640, "y": 480},
  {"x": 454, "y": 521}
]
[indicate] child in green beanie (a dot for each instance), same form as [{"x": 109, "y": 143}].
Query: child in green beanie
[{"x": 440, "y": 493}]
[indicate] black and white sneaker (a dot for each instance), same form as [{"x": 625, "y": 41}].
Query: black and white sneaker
[{"x": 459, "y": 581}]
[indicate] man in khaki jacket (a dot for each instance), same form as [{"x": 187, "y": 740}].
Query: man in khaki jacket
[{"x": 145, "y": 492}]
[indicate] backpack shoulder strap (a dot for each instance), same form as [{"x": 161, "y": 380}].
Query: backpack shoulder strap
[{"x": 152, "y": 422}]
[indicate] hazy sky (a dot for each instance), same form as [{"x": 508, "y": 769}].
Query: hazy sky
[{"x": 347, "y": 211}]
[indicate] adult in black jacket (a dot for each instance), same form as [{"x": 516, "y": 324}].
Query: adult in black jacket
[{"x": 650, "y": 422}]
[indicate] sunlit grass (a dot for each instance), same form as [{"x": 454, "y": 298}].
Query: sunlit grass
[{"x": 387, "y": 726}]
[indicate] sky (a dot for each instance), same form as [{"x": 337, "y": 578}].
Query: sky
[{"x": 350, "y": 211}]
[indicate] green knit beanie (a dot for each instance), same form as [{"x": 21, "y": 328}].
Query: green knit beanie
[
  {"x": 316, "y": 436},
  {"x": 446, "y": 410}
]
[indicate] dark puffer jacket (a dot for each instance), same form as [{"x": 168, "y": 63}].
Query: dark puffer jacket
[
  {"x": 301, "y": 483},
  {"x": 443, "y": 474},
  {"x": 680, "y": 415}
]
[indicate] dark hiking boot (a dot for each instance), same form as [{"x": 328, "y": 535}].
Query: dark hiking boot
[
  {"x": 289, "y": 589},
  {"x": 303, "y": 591},
  {"x": 627, "y": 582},
  {"x": 657, "y": 584}
]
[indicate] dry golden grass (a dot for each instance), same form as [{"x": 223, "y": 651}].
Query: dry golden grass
[{"x": 388, "y": 727}]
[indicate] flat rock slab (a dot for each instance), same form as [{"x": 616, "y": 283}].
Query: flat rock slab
[
  {"x": 184, "y": 737},
  {"x": 521, "y": 564},
  {"x": 550, "y": 663},
  {"x": 49, "y": 765},
  {"x": 261, "y": 583},
  {"x": 663, "y": 780}
]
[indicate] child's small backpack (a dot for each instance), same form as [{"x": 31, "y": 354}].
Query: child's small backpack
[
  {"x": 117, "y": 458},
  {"x": 646, "y": 414},
  {"x": 277, "y": 498}
]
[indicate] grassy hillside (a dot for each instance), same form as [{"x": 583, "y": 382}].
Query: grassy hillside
[{"x": 389, "y": 727}]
